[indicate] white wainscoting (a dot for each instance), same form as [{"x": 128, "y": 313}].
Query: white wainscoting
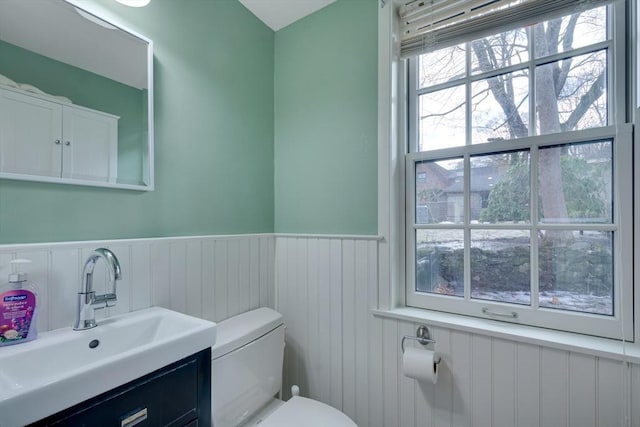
[
  {"x": 342, "y": 355},
  {"x": 336, "y": 350},
  {"x": 213, "y": 277}
]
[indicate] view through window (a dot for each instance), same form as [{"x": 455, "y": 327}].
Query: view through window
[{"x": 510, "y": 182}]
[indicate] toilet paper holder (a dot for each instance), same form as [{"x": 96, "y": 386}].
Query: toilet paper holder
[{"x": 422, "y": 336}]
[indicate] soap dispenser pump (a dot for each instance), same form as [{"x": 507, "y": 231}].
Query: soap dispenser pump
[{"x": 17, "y": 307}]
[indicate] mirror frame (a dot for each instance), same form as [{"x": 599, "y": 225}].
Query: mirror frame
[{"x": 149, "y": 185}]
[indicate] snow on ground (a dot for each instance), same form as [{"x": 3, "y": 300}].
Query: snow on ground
[{"x": 586, "y": 303}]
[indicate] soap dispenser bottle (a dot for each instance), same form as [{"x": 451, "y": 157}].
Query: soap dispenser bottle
[{"x": 17, "y": 308}]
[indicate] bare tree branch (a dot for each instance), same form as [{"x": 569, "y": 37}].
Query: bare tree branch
[
  {"x": 506, "y": 122},
  {"x": 443, "y": 113},
  {"x": 484, "y": 94},
  {"x": 586, "y": 100},
  {"x": 516, "y": 125},
  {"x": 561, "y": 74}
]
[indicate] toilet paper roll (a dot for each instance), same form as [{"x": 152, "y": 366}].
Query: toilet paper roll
[{"x": 420, "y": 364}]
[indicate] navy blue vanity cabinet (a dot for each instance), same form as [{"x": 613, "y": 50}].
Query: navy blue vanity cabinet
[{"x": 178, "y": 395}]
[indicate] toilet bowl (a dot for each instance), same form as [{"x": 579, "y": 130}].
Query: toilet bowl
[
  {"x": 301, "y": 411},
  {"x": 246, "y": 376}
]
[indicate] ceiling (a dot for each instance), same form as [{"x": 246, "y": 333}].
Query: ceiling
[{"x": 278, "y": 14}]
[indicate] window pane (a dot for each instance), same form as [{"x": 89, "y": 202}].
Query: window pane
[
  {"x": 500, "y": 107},
  {"x": 501, "y": 265},
  {"x": 499, "y": 51},
  {"x": 576, "y": 271},
  {"x": 439, "y": 192},
  {"x": 571, "y": 94},
  {"x": 441, "y": 66},
  {"x": 571, "y": 32},
  {"x": 440, "y": 262},
  {"x": 500, "y": 188},
  {"x": 575, "y": 183},
  {"x": 442, "y": 119}
]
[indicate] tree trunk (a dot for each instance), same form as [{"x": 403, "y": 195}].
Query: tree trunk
[{"x": 554, "y": 207}]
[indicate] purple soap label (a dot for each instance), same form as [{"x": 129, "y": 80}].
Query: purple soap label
[{"x": 16, "y": 312}]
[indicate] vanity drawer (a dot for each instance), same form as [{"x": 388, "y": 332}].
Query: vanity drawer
[{"x": 174, "y": 396}]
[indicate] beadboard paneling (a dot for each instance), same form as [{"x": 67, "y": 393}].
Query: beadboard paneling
[
  {"x": 212, "y": 277},
  {"x": 336, "y": 350},
  {"x": 339, "y": 353}
]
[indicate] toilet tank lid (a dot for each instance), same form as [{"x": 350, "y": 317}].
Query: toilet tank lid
[{"x": 240, "y": 330}]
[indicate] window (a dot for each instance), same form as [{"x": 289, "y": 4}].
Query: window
[{"x": 518, "y": 176}]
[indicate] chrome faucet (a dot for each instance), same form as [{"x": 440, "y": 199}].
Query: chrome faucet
[{"x": 88, "y": 301}]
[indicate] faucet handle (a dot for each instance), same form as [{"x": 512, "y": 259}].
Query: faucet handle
[{"x": 106, "y": 300}]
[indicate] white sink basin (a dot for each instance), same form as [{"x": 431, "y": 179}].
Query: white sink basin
[{"x": 59, "y": 369}]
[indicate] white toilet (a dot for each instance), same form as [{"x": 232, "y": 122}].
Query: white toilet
[{"x": 246, "y": 376}]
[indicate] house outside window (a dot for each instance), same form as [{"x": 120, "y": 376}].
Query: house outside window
[{"x": 518, "y": 176}]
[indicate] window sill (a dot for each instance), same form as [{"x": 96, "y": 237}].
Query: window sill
[{"x": 595, "y": 346}]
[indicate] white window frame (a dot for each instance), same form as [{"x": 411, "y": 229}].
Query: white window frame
[{"x": 620, "y": 325}]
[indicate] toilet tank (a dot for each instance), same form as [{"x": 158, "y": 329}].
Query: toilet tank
[{"x": 246, "y": 367}]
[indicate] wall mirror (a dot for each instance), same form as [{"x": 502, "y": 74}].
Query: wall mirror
[{"x": 76, "y": 97}]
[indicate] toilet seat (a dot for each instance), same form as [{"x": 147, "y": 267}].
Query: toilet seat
[{"x": 300, "y": 411}]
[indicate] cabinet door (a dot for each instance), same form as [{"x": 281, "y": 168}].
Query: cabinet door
[
  {"x": 90, "y": 149},
  {"x": 30, "y": 135}
]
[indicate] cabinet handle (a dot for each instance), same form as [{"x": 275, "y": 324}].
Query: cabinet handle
[
  {"x": 134, "y": 419},
  {"x": 67, "y": 143},
  {"x": 57, "y": 142}
]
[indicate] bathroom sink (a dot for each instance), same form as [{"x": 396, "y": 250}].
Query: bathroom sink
[{"x": 64, "y": 367}]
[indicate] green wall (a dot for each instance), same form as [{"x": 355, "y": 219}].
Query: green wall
[
  {"x": 220, "y": 131},
  {"x": 214, "y": 129},
  {"x": 326, "y": 121}
]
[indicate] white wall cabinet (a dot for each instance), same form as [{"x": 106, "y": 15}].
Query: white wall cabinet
[{"x": 42, "y": 136}]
